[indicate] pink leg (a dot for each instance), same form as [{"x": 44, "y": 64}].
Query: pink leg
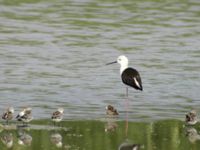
[{"x": 126, "y": 105}]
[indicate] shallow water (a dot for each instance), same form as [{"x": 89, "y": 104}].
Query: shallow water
[
  {"x": 53, "y": 54},
  {"x": 104, "y": 135}
]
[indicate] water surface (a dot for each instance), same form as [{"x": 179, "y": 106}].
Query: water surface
[{"x": 104, "y": 135}]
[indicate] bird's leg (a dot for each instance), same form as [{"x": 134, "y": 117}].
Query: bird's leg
[
  {"x": 126, "y": 103},
  {"x": 127, "y": 92}
]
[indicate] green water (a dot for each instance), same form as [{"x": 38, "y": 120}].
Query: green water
[{"x": 90, "y": 135}]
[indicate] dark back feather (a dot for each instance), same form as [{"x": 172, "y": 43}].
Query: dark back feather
[
  {"x": 56, "y": 114},
  {"x": 131, "y": 77}
]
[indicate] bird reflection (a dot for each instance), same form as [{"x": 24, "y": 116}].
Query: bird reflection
[
  {"x": 110, "y": 126},
  {"x": 56, "y": 139},
  {"x": 7, "y": 139},
  {"x": 192, "y": 135},
  {"x": 127, "y": 145},
  {"x": 24, "y": 138}
]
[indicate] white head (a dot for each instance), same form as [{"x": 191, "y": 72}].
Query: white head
[
  {"x": 123, "y": 61},
  {"x": 61, "y": 110}
]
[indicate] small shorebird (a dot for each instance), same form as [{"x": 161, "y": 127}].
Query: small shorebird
[
  {"x": 110, "y": 110},
  {"x": 8, "y": 114},
  {"x": 191, "y": 118},
  {"x": 25, "y": 115},
  {"x": 57, "y": 116}
]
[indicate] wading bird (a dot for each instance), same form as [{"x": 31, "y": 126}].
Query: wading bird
[
  {"x": 130, "y": 76},
  {"x": 25, "y": 115},
  {"x": 8, "y": 114},
  {"x": 110, "y": 110},
  {"x": 57, "y": 116}
]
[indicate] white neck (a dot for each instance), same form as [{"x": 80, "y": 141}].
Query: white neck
[{"x": 123, "y": 67}]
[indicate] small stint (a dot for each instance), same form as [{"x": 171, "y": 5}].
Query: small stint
[
  {"x": 8, "y": 114},
  {"x": 25, "y": 115},
  {"x": 57, "y": 116},
  {"x": 191, "y": 118},
  {"x": 110, "y": 110}
]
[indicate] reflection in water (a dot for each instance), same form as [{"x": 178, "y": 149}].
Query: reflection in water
[
  {"x": 160, "y": 135},
  {"x": 24, "y": 138},
  {"x": 111, "y": 125},
  {"x": 7, "y": 139},
  {"x": 56, "y": 139},
  {"x": 128, "y": 145},
  {"x": 192, "y": 135}
]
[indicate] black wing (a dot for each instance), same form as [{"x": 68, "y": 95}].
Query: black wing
[{"x": 131, "y": 77}]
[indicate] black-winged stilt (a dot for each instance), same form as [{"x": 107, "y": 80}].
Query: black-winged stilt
[{"x": 130, "y": 76}]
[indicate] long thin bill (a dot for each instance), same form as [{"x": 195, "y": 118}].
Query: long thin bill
[{"x": 111, "y": 63}]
